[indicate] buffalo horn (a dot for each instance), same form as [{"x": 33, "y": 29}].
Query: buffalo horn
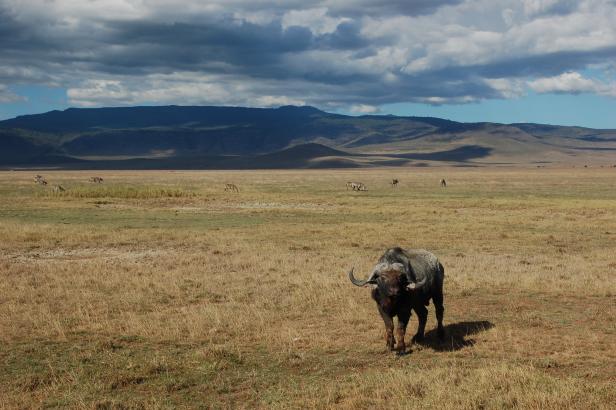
[
  {"x": 417, "y": 285},
  {"x": 358, "y": 282}
]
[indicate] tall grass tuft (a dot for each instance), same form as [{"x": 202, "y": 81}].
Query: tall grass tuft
[{"x": 121, "y": 191}]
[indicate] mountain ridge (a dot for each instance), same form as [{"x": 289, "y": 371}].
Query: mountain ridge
[{"x": 163, "y": 133}]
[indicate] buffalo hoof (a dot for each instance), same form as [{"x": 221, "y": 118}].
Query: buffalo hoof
[
  {"x": 417, "y": 338},
  {"x": 402, "y": 353}
]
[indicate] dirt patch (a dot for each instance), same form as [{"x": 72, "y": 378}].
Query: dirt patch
[
  {"x": 278, "y": 205},
  {"x": 84, "y": 254}
]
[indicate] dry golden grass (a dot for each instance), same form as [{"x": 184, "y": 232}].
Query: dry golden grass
[{"x": 123, "y": 296}]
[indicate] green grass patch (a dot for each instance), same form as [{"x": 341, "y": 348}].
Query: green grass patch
[
  {"x": 121, "y": 191},
  {"x": 127, "y": 219}
]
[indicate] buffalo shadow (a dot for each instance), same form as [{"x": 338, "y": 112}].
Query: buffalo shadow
[{"x": 455, "y": 335}]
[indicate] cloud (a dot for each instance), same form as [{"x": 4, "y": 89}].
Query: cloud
[
  {"x": 345, "y": 54},
  {"x": 364, "y": 109},
  {"x": 182, "y": 88},
  {"x": 545, "y": 7},
  {"x": 509, "y": 88},
  {"x": 572, "y": 83},
  {"x": 7, "y": 96},
  {"x": 387, "y": 7},
  {"x": 316, "y": 20}
]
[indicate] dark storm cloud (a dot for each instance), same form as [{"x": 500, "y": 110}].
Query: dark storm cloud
[
  {"x": 220, "y": 46},
  {"x": 420, "y": 88},
  {"x": 222, "y": 34},
  {"x": 230, "y": 46},
  {"x": 18, "y": 36},
  {"x": 549, "y": 64},
  {"x": 345, "y": 7},
  {"x": 347, "y": 36},
  {"x": 560, "y": 7},
  {"x": 387, "y": 7},
  {"x": 544, "y": 65}
]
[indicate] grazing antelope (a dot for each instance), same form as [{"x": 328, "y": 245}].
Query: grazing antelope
[
  {"x": 358, "y": 186},
  {"x": 443, "y": 182},
  {"x": 96, "y": 180},
  {"x": 40, "y": 180},
  {"x": 231, "y": 187},
  {"x": 394, "y": 183}
]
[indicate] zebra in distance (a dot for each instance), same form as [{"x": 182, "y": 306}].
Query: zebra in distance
[
  {"x": 232, "y": 188},
  {"x": 40, "y": 180}
]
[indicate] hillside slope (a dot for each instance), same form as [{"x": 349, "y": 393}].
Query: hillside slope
[{"x": 109, "y": 137}]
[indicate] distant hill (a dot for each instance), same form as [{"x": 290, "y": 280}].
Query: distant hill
[{"x": 285, "y": 137}]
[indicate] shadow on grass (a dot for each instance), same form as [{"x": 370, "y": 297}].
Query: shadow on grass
[{"x": 456, "y": 335}]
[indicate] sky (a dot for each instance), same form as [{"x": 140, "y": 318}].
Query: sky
[{"x": 546, "y": 61}]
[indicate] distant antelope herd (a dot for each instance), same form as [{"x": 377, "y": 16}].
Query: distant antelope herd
[
  {"x": 40, "y": 180},
  {"x": 358, "y": 186},
  {"x": 355, "y": 186}
]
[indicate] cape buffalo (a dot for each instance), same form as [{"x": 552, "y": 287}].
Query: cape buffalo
[{"x": 405, "y": 280}]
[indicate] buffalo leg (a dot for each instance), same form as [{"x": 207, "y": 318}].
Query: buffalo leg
[
  {"x": 403, "y": 320},
  {"x": 440, "y": 310},
  {"x": 389, "y": 329},
  {"x": 422, "y": 315}
]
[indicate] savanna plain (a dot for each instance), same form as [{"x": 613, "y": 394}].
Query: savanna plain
[{"x": 162, "y": 290}]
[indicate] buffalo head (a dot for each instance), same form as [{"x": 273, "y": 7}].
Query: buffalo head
[{"x": 389, "y": 278}]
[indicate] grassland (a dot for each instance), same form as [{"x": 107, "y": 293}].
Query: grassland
[{"x": 161, "y": 290}]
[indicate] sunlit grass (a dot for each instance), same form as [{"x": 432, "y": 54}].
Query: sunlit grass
[{"x": 241, "y": 300}]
